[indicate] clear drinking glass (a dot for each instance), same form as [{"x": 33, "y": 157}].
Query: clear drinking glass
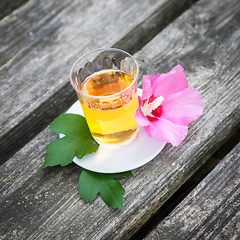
[{"x": 105, "y": 81}]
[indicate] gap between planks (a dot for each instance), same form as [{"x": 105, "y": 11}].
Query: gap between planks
[
  {"x": 7, "y": 7},
  {"x": 148, "y": 29}
]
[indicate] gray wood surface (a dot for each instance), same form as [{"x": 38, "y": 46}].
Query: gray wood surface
[
  {"x": 211, "y": 210},
  {"x": 45, "y": 204},
  {"x": 40, "y": 42}
]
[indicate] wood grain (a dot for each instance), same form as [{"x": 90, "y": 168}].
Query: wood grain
[
  {"x": 40, "y": 42},
  {"x": 45, "y": 204},
  {"x": 210, "y": 211}
]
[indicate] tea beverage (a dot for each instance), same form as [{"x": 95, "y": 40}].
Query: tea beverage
[
  {"x": 112, "y": 120},
  {"x": 105, "y": 81}
]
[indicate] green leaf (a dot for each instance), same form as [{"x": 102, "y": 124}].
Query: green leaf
[
  {"x": 92, "y": 183},
  {"x": 77, "y": 141}
]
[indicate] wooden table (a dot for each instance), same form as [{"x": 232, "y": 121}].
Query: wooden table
[{"x": 39, "y": 42}]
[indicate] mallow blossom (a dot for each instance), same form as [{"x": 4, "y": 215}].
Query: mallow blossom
[{"x": 168, "y": 106}]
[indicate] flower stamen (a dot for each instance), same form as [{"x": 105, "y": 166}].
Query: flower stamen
[{"x": 147, "y": 108}]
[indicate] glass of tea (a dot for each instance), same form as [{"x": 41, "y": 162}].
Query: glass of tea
[{"x": 105, "y": 81}]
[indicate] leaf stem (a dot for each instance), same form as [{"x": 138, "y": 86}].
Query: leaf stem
[{"x": 12, "y": 178}]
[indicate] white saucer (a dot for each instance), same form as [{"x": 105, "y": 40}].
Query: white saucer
[{"x": 114, "y": 160}]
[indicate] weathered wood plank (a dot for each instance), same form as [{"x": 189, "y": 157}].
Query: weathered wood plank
[
  {"x": 210, "y": 211},
  {"x": 150, "y": 27},
  {"x": 40, "y": 42},
  {"x": 45, "y": 204}
]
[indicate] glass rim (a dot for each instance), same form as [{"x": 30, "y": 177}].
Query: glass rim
[{"x": 74, "y": 85}]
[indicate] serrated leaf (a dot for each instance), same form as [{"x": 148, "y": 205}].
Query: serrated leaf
[
  {"x": 92, "y": 183},
  {"x": 78, "y": 140}
]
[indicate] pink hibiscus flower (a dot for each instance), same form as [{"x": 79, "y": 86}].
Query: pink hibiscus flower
[{"x": 168, "y": 106}]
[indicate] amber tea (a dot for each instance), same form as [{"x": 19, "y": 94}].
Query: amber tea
[
  {"x": 105, "y": 81},
  {"x": 110, "y": 120}
]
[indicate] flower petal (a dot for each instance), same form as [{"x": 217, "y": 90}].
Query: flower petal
[
  {"x": 152, "y": 78},
  {"x": 140, "y": 102},
  {"x": 169, "y": 83},
  {"x": 167, "y": 131},
  {"x": 140, "y": 119},
  {"x": 182, "y": 107},
  {"x": 147, "y": 87}
]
